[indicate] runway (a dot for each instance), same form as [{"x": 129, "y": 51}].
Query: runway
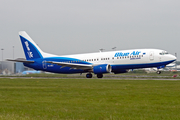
[{"x": 105, "y": 78}]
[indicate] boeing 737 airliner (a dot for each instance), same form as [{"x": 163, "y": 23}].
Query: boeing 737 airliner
[{"x": 98, "y": 63}]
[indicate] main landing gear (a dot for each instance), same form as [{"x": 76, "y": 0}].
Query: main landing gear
[
  {"x": 89, "y": 75},
  {"x": 99, "y": 75}
]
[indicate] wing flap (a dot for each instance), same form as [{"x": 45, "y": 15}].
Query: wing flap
[{"x": 72, "y": 65}]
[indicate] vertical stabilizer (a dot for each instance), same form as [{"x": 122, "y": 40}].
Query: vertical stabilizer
[{"x": 31, "y": 50}]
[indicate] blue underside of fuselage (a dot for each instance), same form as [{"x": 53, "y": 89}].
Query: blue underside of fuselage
[
  {"x": 38, "y": 65},
  {"x": 137, "y": 66}
]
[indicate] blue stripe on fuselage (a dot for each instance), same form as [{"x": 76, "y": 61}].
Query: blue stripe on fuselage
[
  {"x": 137, "y": 66},
  {"x": 39, "y": 64}
]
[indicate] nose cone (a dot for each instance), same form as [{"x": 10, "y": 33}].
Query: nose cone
[{"x": 172, "y": 57}]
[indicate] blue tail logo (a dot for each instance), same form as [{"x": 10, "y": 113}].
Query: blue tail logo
[
  {"x": 30, "y": 54},
  {"x": 30, "y": 50}
]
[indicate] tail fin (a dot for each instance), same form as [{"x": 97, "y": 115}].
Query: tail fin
[{"x": 31, "y": 50}]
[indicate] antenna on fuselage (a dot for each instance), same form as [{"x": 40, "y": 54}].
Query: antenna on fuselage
[
  {"x": 101, "y": 50},
  {"x": 176, "y": 61},
  {"x": 114, "y": 48}
]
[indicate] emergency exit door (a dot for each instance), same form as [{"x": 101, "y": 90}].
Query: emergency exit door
[{"x": 151, "y": 55}]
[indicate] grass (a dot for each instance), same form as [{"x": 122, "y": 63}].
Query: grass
[{"x": 33, "y": 99}]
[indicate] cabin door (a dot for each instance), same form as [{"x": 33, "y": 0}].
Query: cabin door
[
  {"x": 151, "y": 55},
  {"x": 44, "y": 64}
]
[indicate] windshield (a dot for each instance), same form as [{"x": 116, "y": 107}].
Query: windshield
[{"x": 163, "y": 53}]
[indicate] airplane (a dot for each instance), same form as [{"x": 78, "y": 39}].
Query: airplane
[{"x": 98, "y": 63}]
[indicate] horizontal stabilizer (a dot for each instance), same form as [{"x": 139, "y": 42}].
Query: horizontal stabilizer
[{"x": 21, "y": 60}]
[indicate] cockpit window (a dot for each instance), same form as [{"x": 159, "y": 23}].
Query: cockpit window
[{"x": 163, "y": 53}]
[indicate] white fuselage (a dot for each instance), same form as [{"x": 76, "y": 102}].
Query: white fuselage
[{"x": 125, "y": 57}]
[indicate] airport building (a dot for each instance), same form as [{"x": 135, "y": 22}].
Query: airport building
[{"x": 9, "y": 68}]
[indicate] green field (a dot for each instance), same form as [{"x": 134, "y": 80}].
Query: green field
[{"x": 44, "y": 99}]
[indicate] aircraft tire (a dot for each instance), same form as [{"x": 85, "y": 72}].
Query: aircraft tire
[
  {"x": 99, "y": 75},
  {"x": 158, "y": 72},
  {"x": 89, "y": 75}
]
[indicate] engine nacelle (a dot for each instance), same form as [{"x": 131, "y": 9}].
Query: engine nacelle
[{"x": 99, "y": 69}]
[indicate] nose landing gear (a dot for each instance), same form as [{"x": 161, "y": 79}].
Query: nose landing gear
[{"x": 158, "y": 72}]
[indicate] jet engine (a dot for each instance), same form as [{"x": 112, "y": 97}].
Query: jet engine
[{"x": 100, "y": 69}]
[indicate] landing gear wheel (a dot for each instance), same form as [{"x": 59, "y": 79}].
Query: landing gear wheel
[
  {"x": 158, "y": 72},
  {"x": 99, "y": 75},
  {"x": 89, "y": 75}
]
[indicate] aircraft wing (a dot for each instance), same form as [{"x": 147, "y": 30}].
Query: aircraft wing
[
  {"x": 72, "y": 65},
  {"x": 21, "y": 60}
]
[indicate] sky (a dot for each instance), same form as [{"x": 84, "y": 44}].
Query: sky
[{"x": 64, "y": 27}]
